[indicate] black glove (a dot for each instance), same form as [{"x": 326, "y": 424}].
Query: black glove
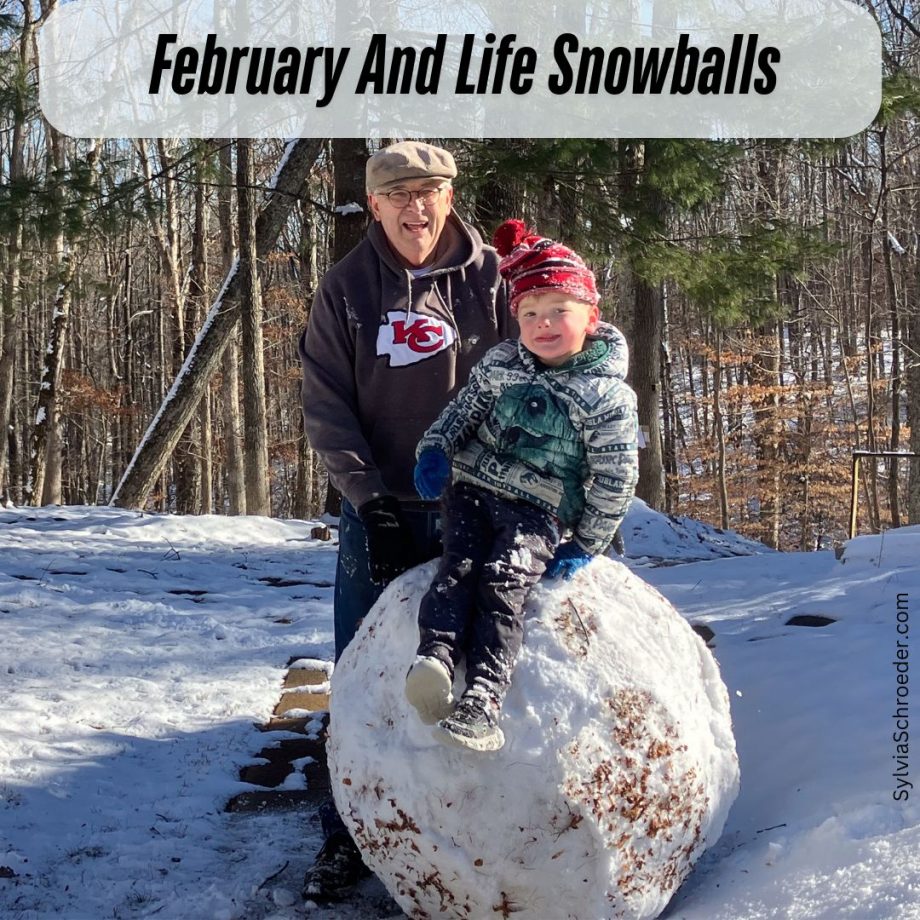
[{"x": 390, "y": 546}]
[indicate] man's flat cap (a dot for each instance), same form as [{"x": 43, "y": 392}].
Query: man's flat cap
[{"x": 408, "y": 160}]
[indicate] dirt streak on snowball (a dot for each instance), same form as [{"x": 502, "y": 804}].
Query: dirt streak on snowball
[{"x": 618, "y": 769}]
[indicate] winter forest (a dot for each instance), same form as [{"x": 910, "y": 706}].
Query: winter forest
[{"x": 769, "y": 292}]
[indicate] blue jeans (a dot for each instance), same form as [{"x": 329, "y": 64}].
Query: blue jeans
[{"x": 355, "y": 593}]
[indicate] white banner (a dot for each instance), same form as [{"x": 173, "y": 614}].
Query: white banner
[{"x": 502, "y": 68}]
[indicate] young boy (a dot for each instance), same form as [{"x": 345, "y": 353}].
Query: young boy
[{"x": 542, "y": 439}]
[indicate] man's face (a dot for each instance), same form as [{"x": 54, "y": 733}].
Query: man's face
[{"x": 414, "y": 229}]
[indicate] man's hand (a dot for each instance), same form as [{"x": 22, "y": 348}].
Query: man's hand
[
  {"x": 569, "y": 558},
  {"x": 431, "y": 473},
  {"x": 390, "y": 546}
]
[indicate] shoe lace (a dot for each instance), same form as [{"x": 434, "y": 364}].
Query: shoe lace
[{"x": 476, "y": 706}]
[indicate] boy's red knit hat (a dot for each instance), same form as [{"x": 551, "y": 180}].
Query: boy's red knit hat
[{"x": 532, "y": 264}]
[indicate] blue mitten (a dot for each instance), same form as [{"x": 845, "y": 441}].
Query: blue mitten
[
  {"x": 431, "y": 473},
  {"x": 569, "y": 558}
]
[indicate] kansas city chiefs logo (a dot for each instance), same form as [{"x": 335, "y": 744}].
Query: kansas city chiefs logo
[{"x": 408, "y": 338}]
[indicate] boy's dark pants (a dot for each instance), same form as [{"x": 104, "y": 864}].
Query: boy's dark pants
[{"x": 495, "y": 551}]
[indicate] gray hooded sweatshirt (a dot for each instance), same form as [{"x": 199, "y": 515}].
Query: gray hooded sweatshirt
[{"x": 384, "y": 352}]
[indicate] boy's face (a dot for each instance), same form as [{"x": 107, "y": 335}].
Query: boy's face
[{"x": 554, "y": 326}]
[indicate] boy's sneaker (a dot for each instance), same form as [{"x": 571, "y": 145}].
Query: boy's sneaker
[
  {"x": 429, "y": 687},
  {"x": 473, "y": 724},
  {"x": 335, "y": 871}
]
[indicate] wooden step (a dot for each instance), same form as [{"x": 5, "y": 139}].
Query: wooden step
[{"x": 302, "y": 691}]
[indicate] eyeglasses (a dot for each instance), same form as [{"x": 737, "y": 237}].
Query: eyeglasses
[{"x": 400, "y": 197}]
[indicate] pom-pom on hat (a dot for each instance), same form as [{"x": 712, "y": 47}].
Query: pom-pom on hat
[{"x": 532, "y": 264}]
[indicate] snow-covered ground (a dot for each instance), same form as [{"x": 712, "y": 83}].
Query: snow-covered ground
[{"x": 139, "y": 653}]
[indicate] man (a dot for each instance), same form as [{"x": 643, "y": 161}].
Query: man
[{"x": 394, "y": 331}]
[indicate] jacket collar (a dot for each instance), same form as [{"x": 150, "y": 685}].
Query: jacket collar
[{"x": 605, "y": 353}]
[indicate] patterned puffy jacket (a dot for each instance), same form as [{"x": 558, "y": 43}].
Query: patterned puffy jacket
[{"x": 563, "y": 438}]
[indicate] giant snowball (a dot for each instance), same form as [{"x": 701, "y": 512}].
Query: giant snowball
[{"x": 618, "y": 769}]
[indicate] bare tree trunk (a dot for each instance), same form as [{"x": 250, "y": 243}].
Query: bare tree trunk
[
  {"x": 720, "y": 434},
  {"x": 258, "y": 499},
  {"x": 669, "y": 417},
  {"x": 913, "y": 381},
  {"x": 764, "y": 374},
  {"x": 497, "y": 198},
  {"x": 232, "y": 426},
  {"x": 230, "y": 382},
  {"x": 645, "y": 347},
  {"x": 45, "y": 478},
  {"x": 47, "y": 415},
  {"x": 198, "y": 292},
  {"x": 185, "y": 460},
  {"x": 895, "y": 441},
  {"x": 53, "y": 489},
  {"x": 9, "y": 309},
  {"x": 181, "y": 402},
  {"x": 302, "y": 504},
  {"x": 913, "y": 416},
  {"x": 350, "y": 155},
  {"x": 870, "y": 468},
  {"x": 645, "y": 367},
  {"x": 305, "y": 502},
  {"x": 42, "y": 489}
]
